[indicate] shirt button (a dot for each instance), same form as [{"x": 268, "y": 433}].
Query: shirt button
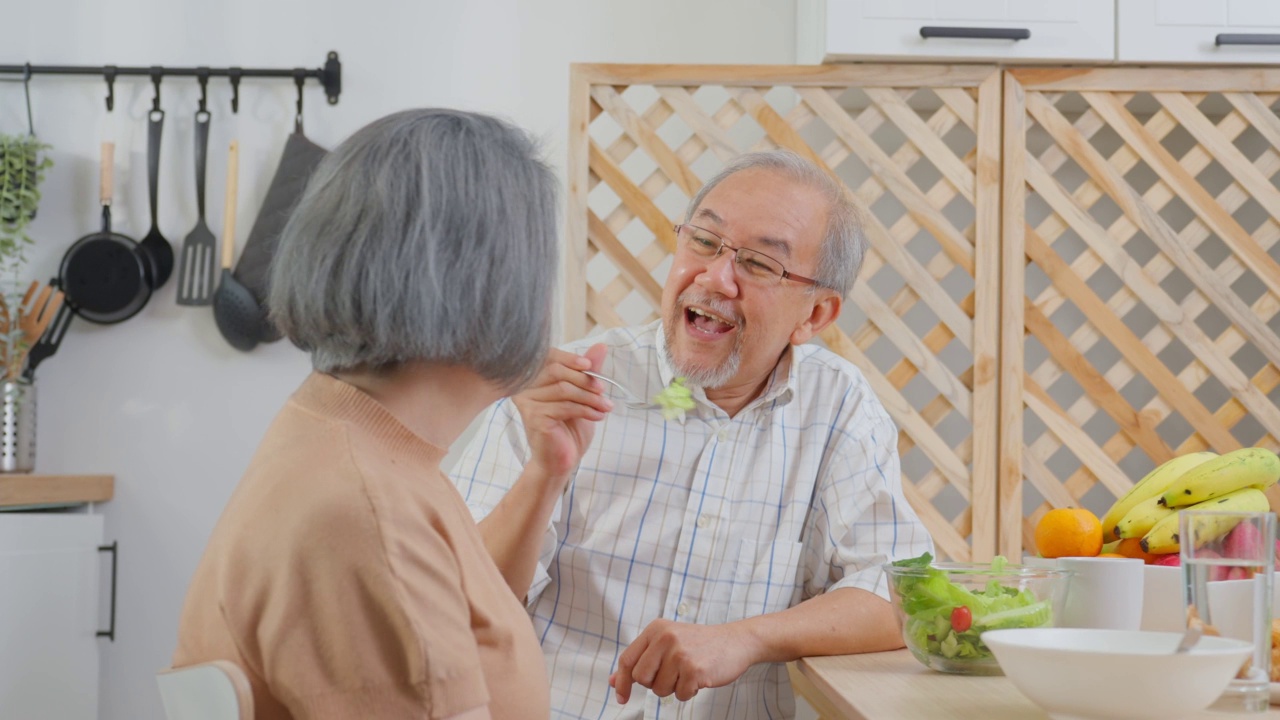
[
  {"x": 703, "y": 521},
  {"x": 722, "y": 435},
  {"x": 683, "y": 608}
]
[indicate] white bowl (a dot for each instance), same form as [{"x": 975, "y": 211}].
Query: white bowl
[{"x": 1115, "y": 674}]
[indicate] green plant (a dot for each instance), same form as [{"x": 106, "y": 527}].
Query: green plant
[{"x": 23, "y": 162}]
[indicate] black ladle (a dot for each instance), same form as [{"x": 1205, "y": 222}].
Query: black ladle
[
  {"x": 157, "y": 249},
  {"x": 240, "y": 319}
]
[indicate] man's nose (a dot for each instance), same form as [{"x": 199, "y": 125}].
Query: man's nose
[{"x": 719, "y": 275}]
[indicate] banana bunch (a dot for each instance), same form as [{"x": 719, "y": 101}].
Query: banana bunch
[
  {"x": 1149, "y": 487},
  {"x": 1199, "y": 481},
  {"x": 1163, "y": 538}
]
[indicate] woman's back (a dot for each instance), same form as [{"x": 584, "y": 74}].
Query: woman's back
[{"x": 349, "y": 580}]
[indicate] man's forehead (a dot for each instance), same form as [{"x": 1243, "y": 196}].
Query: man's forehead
[{"x": 788, "y": 223}]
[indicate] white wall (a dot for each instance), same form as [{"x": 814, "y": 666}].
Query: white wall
[{"x": 161, "y": 401}]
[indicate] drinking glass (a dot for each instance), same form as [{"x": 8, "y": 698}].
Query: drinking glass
[{"x": 1227, "y": 560}]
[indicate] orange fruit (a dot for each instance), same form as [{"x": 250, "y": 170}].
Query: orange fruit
[
  {"x": 1069, "y": 532},
  {"x": 1115, "y": 555},
  {"x": 1132, "y": 547}
]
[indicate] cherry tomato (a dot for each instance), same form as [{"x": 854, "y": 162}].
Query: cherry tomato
[{"x": 961, "y": 619}]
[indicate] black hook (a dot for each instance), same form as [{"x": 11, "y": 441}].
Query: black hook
[
  {"x": 109, "y": 74},
  {"x": 235, "y": 73},
  {"x": 202, "y": 75},
  {"x": 299, "y": 79},
  {"x": 26, "y": 88},
  {"x": 157, "y": 72}
]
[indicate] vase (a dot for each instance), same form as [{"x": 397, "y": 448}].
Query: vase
[{"x": 17, "y": 427}]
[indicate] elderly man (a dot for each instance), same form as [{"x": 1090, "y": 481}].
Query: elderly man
[{"x": 694, "y": 557}]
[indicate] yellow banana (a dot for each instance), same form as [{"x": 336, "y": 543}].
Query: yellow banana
[
  {"x": 1151, "y": 485},
  {"x": 1163, "y": 538},
  {"x": 1142, "y": 518},
  {"x": 1247, "y": 467}
]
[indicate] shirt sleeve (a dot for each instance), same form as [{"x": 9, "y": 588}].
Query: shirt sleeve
[
  {"x": 362, "y": 628},
  {"x": 861, "y": 518},
  {"x": 489, "y": 466}
]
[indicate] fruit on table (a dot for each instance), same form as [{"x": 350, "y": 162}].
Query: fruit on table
[
  {"x": 1132, "y": 548},
  {"x": 1170, "y": 560},
  {"x": 1163, "y": 538},
  {"x": 1069, "y": 532},
  {"x": 1253, "y": 467},
  {"x": 1192, "y": 481},
  {"x": 1152, "y": 484},
  {"x": 1144, "y": 516}
]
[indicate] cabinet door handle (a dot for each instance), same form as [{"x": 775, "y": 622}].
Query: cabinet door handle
[
  {"x": 1247, "y": 39},
  {"x": 113, "y": 548},
  {"x": 976, "y": 33}
]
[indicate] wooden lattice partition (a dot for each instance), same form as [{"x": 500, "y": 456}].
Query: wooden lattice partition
[
  {"x": 1141, "y": 285},
  {"x": 917, "y": 147}
]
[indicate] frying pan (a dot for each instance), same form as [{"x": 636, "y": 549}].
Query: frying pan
[{"x": 105, "y": 274}]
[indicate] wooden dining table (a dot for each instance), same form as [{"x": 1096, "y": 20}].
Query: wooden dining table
[{"x": 895, "y": 686}]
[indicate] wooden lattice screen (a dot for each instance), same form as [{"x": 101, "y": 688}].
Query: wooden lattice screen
[
  {"x": 917, "y": 147},
  {"x": 1140, "y": 297}
]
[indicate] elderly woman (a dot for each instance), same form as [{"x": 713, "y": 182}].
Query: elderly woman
[{"x": 346, "y": 576}]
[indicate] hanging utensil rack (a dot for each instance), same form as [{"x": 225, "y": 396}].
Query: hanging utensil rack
[{"x": 329, "y": 76}]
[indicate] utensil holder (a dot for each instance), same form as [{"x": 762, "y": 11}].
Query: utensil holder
[{"x": 17, "y": 427}]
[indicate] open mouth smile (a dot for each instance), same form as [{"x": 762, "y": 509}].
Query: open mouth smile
[{"x": 706, "y": 323}]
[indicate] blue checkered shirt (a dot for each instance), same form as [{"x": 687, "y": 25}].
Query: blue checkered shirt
[{"x": 709, "y": 521}]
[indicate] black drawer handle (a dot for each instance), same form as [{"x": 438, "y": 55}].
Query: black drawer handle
[
  {"x": 1246, "y": 39},
  {"x": 977, "y": 33},
  {"x": 114, "y": 549}
]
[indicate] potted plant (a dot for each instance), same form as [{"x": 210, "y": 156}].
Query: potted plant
[{"x": 23, "y": 162}]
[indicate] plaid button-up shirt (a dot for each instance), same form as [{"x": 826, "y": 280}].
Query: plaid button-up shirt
[{"x": 709, "y": 521}]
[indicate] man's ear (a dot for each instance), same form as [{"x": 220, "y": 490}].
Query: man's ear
[{"x": 825, "y": 311}]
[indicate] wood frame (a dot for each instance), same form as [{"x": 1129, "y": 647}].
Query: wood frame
[
  {"x": 970, "y": 97},
  {"x": 1179, "y": 397}
]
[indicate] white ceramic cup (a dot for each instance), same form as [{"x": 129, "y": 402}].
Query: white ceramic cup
[
  {"x": 1103, "y": 593},
  {"x": 1163, "y": 608}
]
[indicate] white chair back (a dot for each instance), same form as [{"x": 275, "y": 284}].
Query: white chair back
[{"x": 217, "y": 690}]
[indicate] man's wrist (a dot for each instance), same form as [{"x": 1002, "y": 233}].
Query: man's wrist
[{"x": 762, "y": 638}]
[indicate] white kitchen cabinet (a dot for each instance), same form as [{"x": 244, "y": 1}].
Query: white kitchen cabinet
[
  {"x": 968, "y": 30},
  {"x": 50, "y": 614},
  {"x": 1231, "y": 32}
]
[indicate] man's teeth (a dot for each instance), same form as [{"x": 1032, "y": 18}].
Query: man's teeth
[{"x": 706, "y": 314}]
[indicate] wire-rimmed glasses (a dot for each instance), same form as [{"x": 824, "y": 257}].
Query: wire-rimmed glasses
[{"x": 754, "y": 264}]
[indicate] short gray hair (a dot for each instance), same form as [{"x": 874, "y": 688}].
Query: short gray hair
[
  {"x": 428, "y": 235},
  {"x": 844, "y": 244}
]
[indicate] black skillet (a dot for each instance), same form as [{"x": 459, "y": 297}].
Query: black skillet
[{"x": 105, "y": 275}]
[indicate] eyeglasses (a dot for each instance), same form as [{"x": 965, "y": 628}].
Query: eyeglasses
[{"x": 754, "y": 265}]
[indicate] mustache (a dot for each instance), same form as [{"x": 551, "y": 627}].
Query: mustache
[{"x": 719, "y": 306}]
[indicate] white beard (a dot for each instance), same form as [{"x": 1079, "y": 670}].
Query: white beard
[{"x": 698, "y": 375}]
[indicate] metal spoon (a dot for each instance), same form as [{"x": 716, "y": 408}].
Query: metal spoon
[
  {"x": 1190, "y": 638},
  {"x": 631, "y": 400}
]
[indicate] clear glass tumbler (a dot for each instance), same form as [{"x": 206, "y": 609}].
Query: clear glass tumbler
[{"x": 1227, "y": 562}]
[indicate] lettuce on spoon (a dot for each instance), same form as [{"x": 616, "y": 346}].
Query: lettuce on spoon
[{"x": 675, "y": 399}]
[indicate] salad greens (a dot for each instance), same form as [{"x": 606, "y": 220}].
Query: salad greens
[
  {"x": 675, "y": 399},
  {"x": 929, "y": 600}
]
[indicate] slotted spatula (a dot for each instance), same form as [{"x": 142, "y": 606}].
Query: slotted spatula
[
  {"x": 198, "y": 268},
  {"x": 38, "y": 311},
  {"x": 50, "y": 339}
]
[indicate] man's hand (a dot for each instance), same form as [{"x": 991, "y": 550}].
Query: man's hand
[
  {"x": 683, "y": 658},
  {"x": 560, "y": 410}
]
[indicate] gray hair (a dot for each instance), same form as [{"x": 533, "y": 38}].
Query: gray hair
[
  {"x": 844, "y": 244},
  {"x": 428, "y": 235}
]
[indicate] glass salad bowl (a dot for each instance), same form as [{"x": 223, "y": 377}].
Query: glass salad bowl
[{"x": 945, "y": 607}]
